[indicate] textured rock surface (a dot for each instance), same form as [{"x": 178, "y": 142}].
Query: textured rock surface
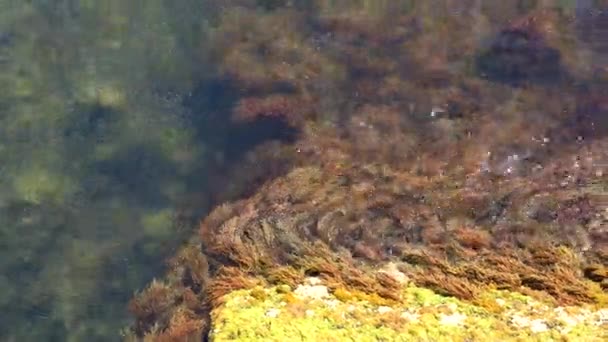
[{"x": 277, "y": 314}]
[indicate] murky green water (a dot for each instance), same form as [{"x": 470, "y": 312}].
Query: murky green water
[
  {"x": 97, "y": 154},
  {"x": 103, "y": 158}
]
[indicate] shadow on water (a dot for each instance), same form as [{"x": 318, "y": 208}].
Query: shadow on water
[
  {"x": 139, "y": 169},
  {"x": 90, "y": 120},
  {"x": 517, "y": 57},
  {"x": 211, "y": 104}
]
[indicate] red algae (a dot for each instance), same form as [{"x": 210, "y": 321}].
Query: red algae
[{"x": 468, "y": 183}]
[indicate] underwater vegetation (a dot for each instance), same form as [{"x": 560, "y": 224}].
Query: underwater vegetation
[
  {"x": 87, "y": 198},
  {"x": 105, "y": 166},
  {"x": 248, "y": 145},
  {"x": 469, "y": 151}
]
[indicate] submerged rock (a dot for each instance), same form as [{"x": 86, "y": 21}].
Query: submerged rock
[
  {"x": 374, "y": 178},
  {"x": 521, "y": 53},
  {"x": 517, "y": 56}
]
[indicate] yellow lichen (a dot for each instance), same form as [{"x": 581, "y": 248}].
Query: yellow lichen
[
  {"x": 421, "y": 315},
  {"x": 343, "y": 294},
  {"x": 259, "y": 293}
]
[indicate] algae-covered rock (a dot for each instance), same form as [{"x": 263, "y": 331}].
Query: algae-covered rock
[
  {"x": 420, "y": 315},
  {"x": 483, "y": 193}
]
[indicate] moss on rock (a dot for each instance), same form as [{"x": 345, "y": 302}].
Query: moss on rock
[{"x": 421, "y": 315}]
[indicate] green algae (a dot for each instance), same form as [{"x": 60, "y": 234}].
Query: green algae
[
  {"x": 93, "y": 162},
  {"x": 421, "y": 315},
  {"x": 37, "y": 184}
]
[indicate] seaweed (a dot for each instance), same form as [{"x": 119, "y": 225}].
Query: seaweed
[{"x": 405, "y": 156}]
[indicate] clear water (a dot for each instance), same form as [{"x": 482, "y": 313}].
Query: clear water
[{"x": 107, "y": 154}]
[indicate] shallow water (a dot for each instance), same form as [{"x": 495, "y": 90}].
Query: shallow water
[{"x": 116, "y": 138}]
